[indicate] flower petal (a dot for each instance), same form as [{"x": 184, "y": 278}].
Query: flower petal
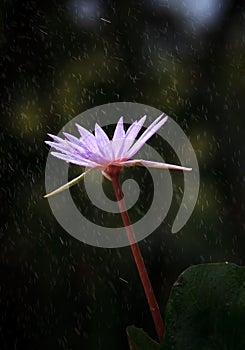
[
  {"x": 81, "y": 147},
  {"x": 64, "y": 148},
  {"x": 68, "y": 185},
  {"x": 119, "y": 132},
  {"x": 72, "y": 158},
  {"x": 76, "y": 148},
  {"x": 74, "y": 151},
  {"x": 84, "y": 153},
  {"x": 151, "y": 130},
  {"x": 150, "y": 164},
  {"x": 130, "y": 136},
  {"x": 60, "y": 144},
  {"x": 101, "y": 137},
  {"x": 118, "y": 139},
  {"x": 72, "y": 139},
  {"x": 87, "y": 138},
  {"x": 134, "y": 129},
  {"x": 57, "y": 139},
  {"x": 103, "y": 143},
  {"x": 82, "y": 131}
]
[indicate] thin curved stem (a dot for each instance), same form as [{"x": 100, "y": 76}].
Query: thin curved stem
[{"x": 157, "y": 318}]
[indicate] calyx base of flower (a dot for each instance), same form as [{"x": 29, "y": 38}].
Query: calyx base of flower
[{"x": 112, "y": 171}]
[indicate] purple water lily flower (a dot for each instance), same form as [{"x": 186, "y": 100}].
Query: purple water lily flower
[{"x": 97, "y": 151}]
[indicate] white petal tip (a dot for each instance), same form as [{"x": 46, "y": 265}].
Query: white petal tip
[
  {"x": 48, "y": 195},
  {"x": 164, "y": 117},
  {"x": 52, "y": 135}
]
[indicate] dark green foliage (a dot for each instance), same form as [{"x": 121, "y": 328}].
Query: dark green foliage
[
  {"x": 205, "y": 311},
  {"x": 139, "y": 340}
]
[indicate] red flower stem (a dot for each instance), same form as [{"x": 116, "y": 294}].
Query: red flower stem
[{"x": 159, "y": 325}]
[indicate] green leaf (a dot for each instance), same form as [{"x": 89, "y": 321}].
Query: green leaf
[
  {"x": 206, "y": 309},
  {"x": 139, "y": 340}
]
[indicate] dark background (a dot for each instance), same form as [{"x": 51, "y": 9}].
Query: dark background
[{"x": 59, "y": 59}]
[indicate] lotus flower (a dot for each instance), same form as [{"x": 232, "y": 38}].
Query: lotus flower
[{"x": 97, "y": 151}]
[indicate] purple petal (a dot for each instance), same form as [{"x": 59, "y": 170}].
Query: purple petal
[
  {"x": 134, "y": 129},
  {"x": 75, "y": 147},
  {"x": 150, "y": 164},
  {"x": 87, "y": 138},
  {"x": 59, "y": 146},
  {"x": 101, "y": 137},
  {"x": 130, "y": 136},
  {"x": 81, "y": 148},
  {"x": 151, "y": 130},
  {"x": 116, "y": 147},
  {"x": 74, "y": 160},
  {"x": 118, "y": 139},
  {"x": 84, "y": 153},
  {"x": 132, "y": 162},
  {"x": 56, "y": 138},
  {"x": 82, "y": 131},
  {"x": 64, "y": 144},
  {"x": 119, "y": 132},
  {"x": 72, "y": 138},
  {"x": 74, "y": 150},
  {"x": 103, "y": 143}
]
